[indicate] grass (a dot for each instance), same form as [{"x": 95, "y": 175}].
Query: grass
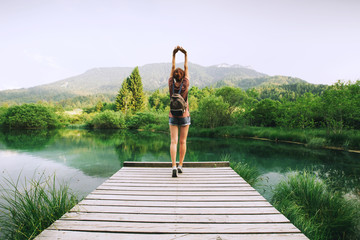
[
  {"x": 317, "y": 211},
  {"x": 29, "y": 209},
  {"x": 249, "y": 173},
  {"x": 315, "y": 138}
]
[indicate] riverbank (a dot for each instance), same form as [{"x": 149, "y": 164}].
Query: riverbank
[{"x": 346, "y": 140}]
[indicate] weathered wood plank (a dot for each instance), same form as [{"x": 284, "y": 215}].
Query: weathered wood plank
[
  {"x": 167, "y": 173},
  {"x": 185, "y": 198},
  {"x": 188, "y": 170},
  {"x": 145, "y": 203},
  {"x": 172, "y": 185},
  {"x": 177, "y": 188},
  {"x": 181, "y": 176},
  {"x": 168, "y": 164},
  {"x": 272, "y": 218},
  {"x": 252, "y": 192},
  {"x": 133, "y": 227},
  {"x": 178, "y": 181},
  {"x": 71, "y": 235},
  {"x": 169, "y": 210}
]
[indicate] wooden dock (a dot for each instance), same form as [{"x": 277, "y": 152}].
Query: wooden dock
[{"x": 142, "y": 201}]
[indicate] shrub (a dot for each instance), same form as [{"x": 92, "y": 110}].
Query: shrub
[
  {"x": 29, "y": 210},
  {"x": 108, "y": 120},
  {"x": 30, "y": 116},
  {"x": 213, "y": 112},
  {"x": 142, "y": 119},
  {"x": 315, "y": 209}
]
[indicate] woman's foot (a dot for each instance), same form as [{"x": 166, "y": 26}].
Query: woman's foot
[
  {"x": 174, "y": 172},
  {"x": 180, "y": 169}
]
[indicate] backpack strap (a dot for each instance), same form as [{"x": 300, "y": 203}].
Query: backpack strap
[{"x": 173, "y": 90}]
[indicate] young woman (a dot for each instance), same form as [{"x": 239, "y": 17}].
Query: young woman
[{"x": 179, "y": 83}]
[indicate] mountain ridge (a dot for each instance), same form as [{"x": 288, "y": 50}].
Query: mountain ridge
[{"x": 108, "y": 80}]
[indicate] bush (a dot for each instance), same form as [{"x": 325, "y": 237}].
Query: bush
[
  {"x": 265, "y": 113},
  {"x": 2, "y": 114},
  {"x": 108, "y": 120},
  {"x": 142, "y": 119},
  {"x": 316, "y": 210},
  {"x": 29, "y": 210},
  {"x": 30, "y": 116},
  {"x": 213, "y": 112}
]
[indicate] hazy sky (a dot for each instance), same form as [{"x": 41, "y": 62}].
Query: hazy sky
[{"x": 43, "y": 41}]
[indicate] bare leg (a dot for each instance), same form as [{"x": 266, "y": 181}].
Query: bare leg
[
  {"x": 174, "y": 132},
  {"x": 183, "y": 136}
]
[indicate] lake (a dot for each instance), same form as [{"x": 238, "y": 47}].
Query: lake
[{"x": 85, "y": 158}]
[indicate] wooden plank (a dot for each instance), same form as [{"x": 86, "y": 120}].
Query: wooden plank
[
  {"x": 167, "y": 173},
  {"x": 185, "y": 164},
  {"x": 133, "y": 227},
  {"x": 71, "y": 235},
  {"x": 179, "y": 188},
  {"x": 183, "y": 198},
  {"x": 180, "y": 176},
  {"x": 202, "y": 203},
  {"x": 158, "y": 218},
  {"x": 178, "y": 210},
  {"x": 176, "y": 185},
  {"x": 166, "y": 168},
  {"x": 252, "y": 192},
  {"x": 190, "y": 170},
  {"x": 177, "y": 180},
  {"x": 144, "y": 203}
]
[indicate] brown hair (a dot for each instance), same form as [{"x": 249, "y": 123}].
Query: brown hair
[{"x": 178, "y": 74}]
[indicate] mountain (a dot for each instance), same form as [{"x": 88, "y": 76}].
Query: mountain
[
  {"x": 246, "y": 83},
  {"x": 154, "y": 76}
]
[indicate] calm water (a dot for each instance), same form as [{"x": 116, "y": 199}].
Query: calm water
[{"x": 85, "y": 159}]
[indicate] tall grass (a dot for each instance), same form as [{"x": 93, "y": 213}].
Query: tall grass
[
  {"x": 316, "y": 210},
  {"x": 28, "y": 209},
  {"x": 249, "y": 173}
]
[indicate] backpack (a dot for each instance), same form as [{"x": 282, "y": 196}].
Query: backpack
[{"x": 177, "y": 102}]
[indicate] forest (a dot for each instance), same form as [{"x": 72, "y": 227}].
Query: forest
[{"x": 318, "y": 115}]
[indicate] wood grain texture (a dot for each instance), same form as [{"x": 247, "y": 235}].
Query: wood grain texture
[{"x": 143, "y": 201}]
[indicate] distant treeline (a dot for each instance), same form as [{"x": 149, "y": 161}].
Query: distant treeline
[{"x": 299, "y": 106}]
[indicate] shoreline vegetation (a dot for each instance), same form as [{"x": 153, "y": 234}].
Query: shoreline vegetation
[
  {"x": 317, "y": 210},
  {"x": 316, "y": 116},
  {"x": 28, "y": 209}
]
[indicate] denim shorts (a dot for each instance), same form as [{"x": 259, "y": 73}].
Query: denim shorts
[{"x": 179, "y": 121}]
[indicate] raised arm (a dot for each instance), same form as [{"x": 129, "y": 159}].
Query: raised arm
[
  {"x": 186, "y": 68},
  {"x": 176, "y": 49}
]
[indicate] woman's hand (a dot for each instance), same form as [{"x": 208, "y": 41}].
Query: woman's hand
[
  {"x": 182, "y": 50},
  {"x": 176, "y": 49}
]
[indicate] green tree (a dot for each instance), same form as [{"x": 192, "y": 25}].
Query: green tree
[
  {"x": 99, "y": 106},
  {"x": 265, "y": 113},
  {"x": 213, "y": 112},
  {"x": 124, "y": 99},
  {"x": 234, "y": 96},
  {"x": 136, "y": 88}
]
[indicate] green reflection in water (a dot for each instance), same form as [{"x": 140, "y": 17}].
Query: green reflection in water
[{"x": 102, "y": 153}]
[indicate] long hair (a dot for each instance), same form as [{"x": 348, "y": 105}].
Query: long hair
[{"x": 178, "y": 74}]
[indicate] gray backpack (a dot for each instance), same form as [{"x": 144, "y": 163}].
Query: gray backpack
[{"x": 177, "y": 102}]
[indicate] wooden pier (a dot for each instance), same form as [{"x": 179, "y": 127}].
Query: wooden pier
[{"x": 142, "y": 201}]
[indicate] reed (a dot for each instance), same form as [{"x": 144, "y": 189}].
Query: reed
[
  {"x": 249, "y": 173},
  {"x": 28, "y": 209},
  {"x": 316, "y": 210}
]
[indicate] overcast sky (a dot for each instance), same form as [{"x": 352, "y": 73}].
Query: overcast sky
[{"x": 43, "y": 41}]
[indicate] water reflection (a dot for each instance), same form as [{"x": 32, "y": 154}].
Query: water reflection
[{"x": 97, "y": 155}]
